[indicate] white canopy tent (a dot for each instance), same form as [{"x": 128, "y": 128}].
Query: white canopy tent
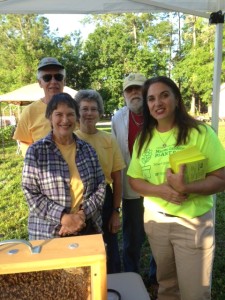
[
  {"x": 28, "y": 94},
  {"x": 201, "y": 8},
  {"x": 21, "y": 97}
]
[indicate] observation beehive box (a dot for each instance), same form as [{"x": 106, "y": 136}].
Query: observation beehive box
[{"x": 60, "y": 269}]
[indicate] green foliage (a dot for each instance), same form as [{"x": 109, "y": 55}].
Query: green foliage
[
  {"x": 218, "y": 280},
  {"x": 13, "y": 208},
  {"x": 27, "y": 39},
  {"x": 121, "y": 44},
  {"x": 194, "y": 62},
  {"x": 6, "y": 133},
  {"x": 171, "y": 44},
  {"x": 20, "y": 35}
]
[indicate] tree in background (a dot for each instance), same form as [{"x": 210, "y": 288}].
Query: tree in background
[
  {"x": 121, "y": 44},
  {"x": 21, "y": 49},
  {"x": 68, "y": 50},
  {"x": 194, "y": 63},
  {"x": 25, "y": 39},
  {"x": 171, "y": 44}
]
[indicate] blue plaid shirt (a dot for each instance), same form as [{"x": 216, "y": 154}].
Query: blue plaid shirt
[{"x": 46, "y": 185}]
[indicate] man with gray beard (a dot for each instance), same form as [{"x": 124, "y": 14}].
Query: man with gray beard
[{"x": 126, "y": 124}]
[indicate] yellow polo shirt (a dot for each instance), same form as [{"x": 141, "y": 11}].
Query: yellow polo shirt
[{"x": 108, "y": 151}]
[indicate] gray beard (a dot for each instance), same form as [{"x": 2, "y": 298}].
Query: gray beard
[{"x": 136, "y": 107}]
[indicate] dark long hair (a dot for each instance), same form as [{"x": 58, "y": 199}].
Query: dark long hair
[{"x": 183, "y": 120}]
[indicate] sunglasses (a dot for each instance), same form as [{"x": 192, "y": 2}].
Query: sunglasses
[{"x": 48, "y": 77}]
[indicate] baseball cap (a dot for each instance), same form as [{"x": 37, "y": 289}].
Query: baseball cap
[
  {"x": 133, "y": 79},
  {"x": 49, "y": 62}
]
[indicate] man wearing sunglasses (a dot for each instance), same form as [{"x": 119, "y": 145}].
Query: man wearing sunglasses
[{"x": 33, "y": 125}]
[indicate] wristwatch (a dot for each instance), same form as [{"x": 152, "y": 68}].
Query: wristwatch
[{"x": 117, "y": 209}]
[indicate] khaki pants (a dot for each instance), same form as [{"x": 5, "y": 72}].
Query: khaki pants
[{"x": 184, "y": 253}]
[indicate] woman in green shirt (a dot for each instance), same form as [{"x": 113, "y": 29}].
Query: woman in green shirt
[{"x": 178, "y": 215}]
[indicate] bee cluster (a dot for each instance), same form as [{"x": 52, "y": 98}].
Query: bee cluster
[{"x": 62, "y": 284}]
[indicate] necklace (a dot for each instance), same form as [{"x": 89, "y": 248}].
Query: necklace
[
  {"x": 135, "y": 122},
  {"x": 164, "y": 142}
]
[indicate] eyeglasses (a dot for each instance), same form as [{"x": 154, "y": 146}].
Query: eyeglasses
[
  {"x": 130, "y": 88},
  {"x": 86, "y": 110},
  {"x": 48, "y": 77}
]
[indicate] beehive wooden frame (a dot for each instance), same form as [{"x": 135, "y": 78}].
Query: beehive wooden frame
[{"x": 60, "y": 253}]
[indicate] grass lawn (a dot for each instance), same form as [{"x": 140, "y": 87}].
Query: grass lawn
[{"x": 14, "y": 211}]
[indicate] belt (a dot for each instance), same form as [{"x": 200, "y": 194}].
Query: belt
[{"x": 167, "y": 215}]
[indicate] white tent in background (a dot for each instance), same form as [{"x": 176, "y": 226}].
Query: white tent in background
[
  {"x": 29, "y": 93},
  {"x": 24, "y": 96},
  {"x": 207, "y": 9}
]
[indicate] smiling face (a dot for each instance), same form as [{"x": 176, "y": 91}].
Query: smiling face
[
  {"x": 162, "y": 103},
  {"x": 63, "y": 121},
  {"x": 89, "y": 115},
  {"x": 53, "y": 86}
]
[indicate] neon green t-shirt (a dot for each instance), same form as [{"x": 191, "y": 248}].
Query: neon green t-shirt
[{"x": 154, "y": 161}]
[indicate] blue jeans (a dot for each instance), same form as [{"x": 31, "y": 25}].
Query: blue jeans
[
  {"x": 133, "y": 233},
  {"x": 111, "y": 240}
]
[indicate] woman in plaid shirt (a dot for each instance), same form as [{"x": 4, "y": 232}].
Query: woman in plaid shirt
[{"x": 62, "y": 180}]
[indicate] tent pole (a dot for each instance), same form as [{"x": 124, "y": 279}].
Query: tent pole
[
  {"x": 218, "y": 19},
  {"x": 217, "y": 76}
]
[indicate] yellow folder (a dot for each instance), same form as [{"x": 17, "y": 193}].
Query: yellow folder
[{"x": 195, "y": 163}]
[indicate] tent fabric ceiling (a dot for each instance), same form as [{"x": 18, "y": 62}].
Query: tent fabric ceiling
[
  {"x": 71, "y": 6},
  {"x": 200, "y": 8},
  {"x": 195, "y": 7}
]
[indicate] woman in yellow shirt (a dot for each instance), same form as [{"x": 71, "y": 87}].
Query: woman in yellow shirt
[{"x": 91, "y": 109}]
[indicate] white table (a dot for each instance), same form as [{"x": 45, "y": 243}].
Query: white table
[{"x": 130, "y": 286}]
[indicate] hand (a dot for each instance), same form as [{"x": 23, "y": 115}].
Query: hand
[
  {"x": 81, "y": 214},
  {"x": 114, "y": 222},
  {"x": 177, "y": 181},
  {"x": 72, "y": 223},
  {"x": 171, "y": 195}
]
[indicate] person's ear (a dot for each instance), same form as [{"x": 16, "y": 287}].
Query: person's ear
[{"x": 39, "y": 81}]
